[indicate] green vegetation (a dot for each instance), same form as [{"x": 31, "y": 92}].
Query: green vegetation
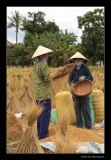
[{"x": 47, "y": 33}]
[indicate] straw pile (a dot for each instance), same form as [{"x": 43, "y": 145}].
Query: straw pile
[
  {"x": 63, "y": 122},
  {"x": 59, "y": 81},
  {"x": 14, "y": 128},
  {"x": 68, "y": 138},
  {"x": 84, "y": 135},
  {"x": 20, "y": 94},
  {"x": 61, "y": 71},
  {"x": 62, "y": 141},
  {"x": 63, "y": 126},
  {"x": 65, "y": 145},
  {"x": 29, "y": 143}
]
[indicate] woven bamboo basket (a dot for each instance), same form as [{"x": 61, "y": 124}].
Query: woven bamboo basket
[{"x": 83, "y": 88}]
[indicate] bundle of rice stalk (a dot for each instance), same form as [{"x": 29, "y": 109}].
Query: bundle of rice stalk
[
  {"x": 12, "y": 86},
  {"x": 24, "y": 83},
  {"x": 11, "y": 103},
  {"x": 18, "y": 107},
  {"x": 29, "y": 142},
  {"x": 9, "y": 98},
  {"x": 21, "y": 94},
  {"x": 65, "y": 145},
  {"x": 61, "y": 71},
  {"x": 33, "y": 114},
  {"x": 62, "y": 141},
  {"x": 63, "y": 123}
]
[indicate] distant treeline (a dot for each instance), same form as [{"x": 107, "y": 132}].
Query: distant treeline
[{"x": 39, "y": 32}]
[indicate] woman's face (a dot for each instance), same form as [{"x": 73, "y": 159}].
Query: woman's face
[
  {"x": 78, "y": 59},
  {"x": 45, "y": 55}
]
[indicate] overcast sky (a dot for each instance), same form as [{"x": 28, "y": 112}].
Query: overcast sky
[{"x": 64, "y": 17}]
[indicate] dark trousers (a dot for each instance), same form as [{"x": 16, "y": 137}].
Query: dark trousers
[
  {"x": 44, "y": 118},
  {"x": 82, "y": 104}
]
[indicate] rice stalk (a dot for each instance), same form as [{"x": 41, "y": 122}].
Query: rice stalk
[
  {"x": 62, "y": 140},
  {"x": 12, "y": 87},
  {"x": 63, "y": 123},
  {"x": 29, "y": 96},
  {"x": 19, "y": 106},
  {"x": 29, "y": 142},
  {"x": 65, "y": 145},
  {"x": 33, "y": 114},
  {"x": 11, "y": 104},
  {"x": 22, "y": 94}
]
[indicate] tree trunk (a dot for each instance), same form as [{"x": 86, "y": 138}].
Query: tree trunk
[
  {"x": 16, "y": 38},
  {"x": 16, "y": 34}
]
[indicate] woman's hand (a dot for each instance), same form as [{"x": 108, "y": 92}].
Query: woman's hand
[{"x": 82, "y": 78}]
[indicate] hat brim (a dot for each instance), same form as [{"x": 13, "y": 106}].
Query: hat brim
[
  {"x": 41, "y": 51},
  {"x": 78, "y": 55},
  {"x": 73, "y": 59}
]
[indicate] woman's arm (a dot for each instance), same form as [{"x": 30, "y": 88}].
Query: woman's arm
[
  {"x": 45, "y": 72},
  {"x": 70, "y": 78},
  {"x": 88, "y": 74}
]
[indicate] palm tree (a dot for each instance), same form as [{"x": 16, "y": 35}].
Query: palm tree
[{"x": 15, "y": 21}]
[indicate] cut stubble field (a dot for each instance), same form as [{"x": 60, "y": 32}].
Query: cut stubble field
[{"x": 20, "y": 98}]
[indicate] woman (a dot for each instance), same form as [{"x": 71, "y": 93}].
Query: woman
[
  {"x": 79, "y": 73},
  {"x": 42, "y": 89}
]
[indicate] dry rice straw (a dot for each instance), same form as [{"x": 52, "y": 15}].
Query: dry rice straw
[{"x": 29, "y": 142}]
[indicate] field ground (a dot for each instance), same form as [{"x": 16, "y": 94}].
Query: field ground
[
  {"x": 20, "y": 97},
  {"x": 86, "y": 134},
  {"x": 20, "y": 92}
]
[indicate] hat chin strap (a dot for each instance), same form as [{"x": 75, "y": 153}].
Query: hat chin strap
[{"x": 39, "y": 58}]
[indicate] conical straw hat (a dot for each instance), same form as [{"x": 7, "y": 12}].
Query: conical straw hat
[
  {"x": 78, "y": 55},
  {"x": 40, "y": 51}
]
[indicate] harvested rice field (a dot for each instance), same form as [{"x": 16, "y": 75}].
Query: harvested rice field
[
  {"x": 20, "y": 98},
  {"x": 20, "y": 92},
  {"x": 84, "y": 135},
  {"x": 18, "y": 126}
]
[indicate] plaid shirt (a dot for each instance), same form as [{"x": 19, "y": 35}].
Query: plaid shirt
[{"x": 42, "y": 86}]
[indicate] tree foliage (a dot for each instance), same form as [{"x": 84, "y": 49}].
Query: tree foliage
[
  {"x": 36, "y": 23},
  {"x": 92, "y": 24},
  {"x": 17, "y": 55},
  {"x": 47, "y": 33},
  {"x": 15, "y": 21}
]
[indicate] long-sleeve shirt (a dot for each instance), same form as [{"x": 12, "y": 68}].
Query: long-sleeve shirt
[
  {"x": 42, "y": 85},
  {"x": 76, "y": 74}
]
